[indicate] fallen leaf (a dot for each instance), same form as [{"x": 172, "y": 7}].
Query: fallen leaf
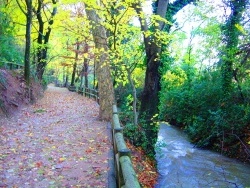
[
  {"x": 62, "y": 159},
  {"x": 39, "y": 164}
]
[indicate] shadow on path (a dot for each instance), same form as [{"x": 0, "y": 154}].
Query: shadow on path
[{"x": 57, "y": 142}]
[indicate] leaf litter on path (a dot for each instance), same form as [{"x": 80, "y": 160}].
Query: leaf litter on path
[{"x": 57, "y": 142}]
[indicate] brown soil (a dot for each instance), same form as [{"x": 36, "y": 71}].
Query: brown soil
[
  {"x": 57, "y": 142},
  {"x": 14, "y": 92}
]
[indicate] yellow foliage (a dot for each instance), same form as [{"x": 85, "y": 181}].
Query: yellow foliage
[{"x": 175, "y": 79}]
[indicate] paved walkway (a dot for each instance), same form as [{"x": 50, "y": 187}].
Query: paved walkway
[{"x": 57, "y": 142}]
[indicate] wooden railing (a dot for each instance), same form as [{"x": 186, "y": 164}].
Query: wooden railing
[
  {"x": 87, "y": 92},
  {"x": 125, "y": 174},
  {"x": 91, "y": 93},
  {"x": 12, "y": 65}
]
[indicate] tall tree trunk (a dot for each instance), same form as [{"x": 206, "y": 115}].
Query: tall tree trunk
[
  {"x": 75, "y": 64},
  {"x": 131, "y": 82},
  {"x": 86, "y": 72},
  {"x": 150, "y": 98},
  {"x": 66, "y": 77},
  {"x": 105, "y": 86},
  {"x": 43, "y": 38},
  {"x": 28, "y": 41},
  {"x": 28, "y": 14}
]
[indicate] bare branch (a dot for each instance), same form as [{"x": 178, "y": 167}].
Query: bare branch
[{"x": 21, "y": 8}]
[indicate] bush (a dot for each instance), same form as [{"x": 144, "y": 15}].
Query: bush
[
  {"x": 210, "y": 119},
  {"x": 137, "y": 135}
]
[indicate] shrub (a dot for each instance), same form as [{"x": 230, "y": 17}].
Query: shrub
[{"x": 210, "y": 119}]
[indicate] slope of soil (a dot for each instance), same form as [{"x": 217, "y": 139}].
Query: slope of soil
[
  {"x": 57, "y": 142},
  {"x": 14, "y": 92}
]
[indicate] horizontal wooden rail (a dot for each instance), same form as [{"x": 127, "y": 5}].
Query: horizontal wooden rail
[
  {"x": 12, "y": 65},
  {"x": 87, "y": 92},
  {"x": 91, "y": 93},
  {"x": 125, "y": 173}
]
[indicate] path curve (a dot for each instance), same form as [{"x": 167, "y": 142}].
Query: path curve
[{"x": 57, "y": 142}]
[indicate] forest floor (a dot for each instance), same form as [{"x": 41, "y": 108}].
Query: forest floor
[{"x": 56, "y": 142}]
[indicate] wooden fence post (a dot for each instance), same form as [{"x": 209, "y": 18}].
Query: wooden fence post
[{"x": 125, "y": 174}]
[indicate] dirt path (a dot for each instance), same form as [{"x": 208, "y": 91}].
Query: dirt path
[{"x": 58, "y": 142}]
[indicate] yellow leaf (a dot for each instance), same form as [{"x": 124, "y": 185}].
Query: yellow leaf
[
  {"x": 62, "y": 159},
  {"x": 82, "y": 158},
  {"x": 241, "y": 29}
]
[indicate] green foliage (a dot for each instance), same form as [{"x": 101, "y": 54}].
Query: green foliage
[
  {"x": 135, "y": 135},
  {"x": 9, "y": 50},
  {"x": 209, "y": 120},
  {"x": 40, "y": 110},
  {"x": 210, "y": 103},
  {"x": 143, "y": 135}
]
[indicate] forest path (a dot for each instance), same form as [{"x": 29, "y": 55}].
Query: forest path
[{"x": 57, "y": 142}]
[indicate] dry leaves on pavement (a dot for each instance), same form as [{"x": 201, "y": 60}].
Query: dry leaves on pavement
[{"x": 57, "y": 142}]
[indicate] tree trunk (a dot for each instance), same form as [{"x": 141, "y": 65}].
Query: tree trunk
[
  {"x": 43, "y": 38},
  {"x": 150, "y": 98},
  {"x": 134, "y": 97},
  {"x": 67, "y": 77},
  {"x": 75, "y": 64},
  {"x": 86, "y": 72},
  {"x": 105, "y": 87},
  {"x": 28, "y": 42}
]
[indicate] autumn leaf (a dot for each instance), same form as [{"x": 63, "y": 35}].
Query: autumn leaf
[
  {"x": 61, "y": 159},
  {"x": 144, "y": 167},
  {"x": 89, "y": 150},
  {"x": 39, "y": 164}
]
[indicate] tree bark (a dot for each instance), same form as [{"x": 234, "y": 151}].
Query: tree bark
[
  {"x": 43, "y": 38},
  {"x": 28, "y": 14},
  {"x": 86, "y": 72},
  {"x": 102, "y": 66},
  {"x": 150, "y": 98},
  {"x": 28, "y": 41},
  {"x": 134, "y": 98},
  {"x": 75, "y": 64}
]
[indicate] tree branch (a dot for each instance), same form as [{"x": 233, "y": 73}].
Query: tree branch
[{"x": 21, "y": 8}]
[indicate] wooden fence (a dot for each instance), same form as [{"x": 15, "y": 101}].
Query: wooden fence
[
  {"x": 91, "y": 93},
  {"x": 12, "y": 65},
  {"x": 125, "y": 174}
]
